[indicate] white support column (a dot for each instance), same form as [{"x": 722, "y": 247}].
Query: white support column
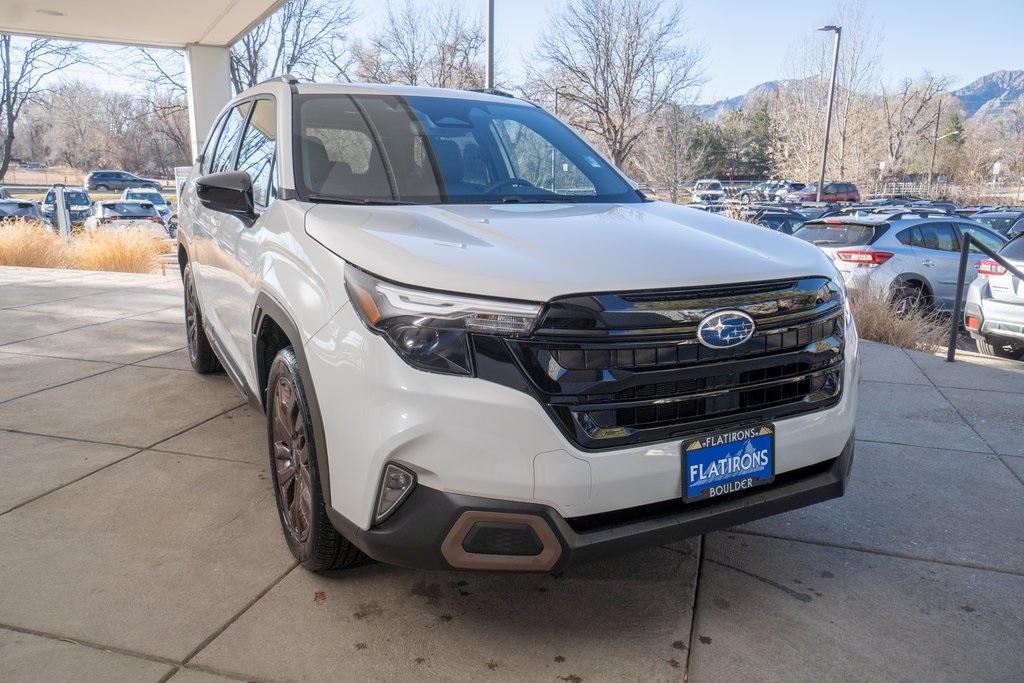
[{"x": 209, "y": 89}]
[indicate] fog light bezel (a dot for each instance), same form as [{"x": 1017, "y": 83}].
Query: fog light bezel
[{"x": 378, "y": 515}]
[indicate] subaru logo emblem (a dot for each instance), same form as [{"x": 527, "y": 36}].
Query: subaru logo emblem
[{"x": 725, "y": 329}]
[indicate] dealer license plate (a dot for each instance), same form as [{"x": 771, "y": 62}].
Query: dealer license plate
[{"x": 728, "y": 461}]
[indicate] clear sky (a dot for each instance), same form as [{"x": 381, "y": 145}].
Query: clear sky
[{"x": 747, "y": 42}]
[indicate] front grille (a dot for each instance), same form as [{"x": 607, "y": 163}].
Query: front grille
[{"x": 616, "y": 370}]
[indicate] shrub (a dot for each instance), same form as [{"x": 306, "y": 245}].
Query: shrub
[
  {"x": 921, "y": 330},
  {"x": 125, "y": 251},
  {"x": 30, "y": 243}
]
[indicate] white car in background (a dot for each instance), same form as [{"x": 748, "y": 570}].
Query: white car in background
[
  {"x": 122, "y": 214},
  {"x": 994, "y": 312},
  {"x": 148, "y": 194},
  {"x": 708, "y": 190}
]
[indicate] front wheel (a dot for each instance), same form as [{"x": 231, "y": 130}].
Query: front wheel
[
  {"x": 200, "y": 351},
  {"x": 296, "y": 474},
  {"x": 999, "y": 348}
]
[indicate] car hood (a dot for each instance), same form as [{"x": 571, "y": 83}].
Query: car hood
[{"x": 539, "y": 251}]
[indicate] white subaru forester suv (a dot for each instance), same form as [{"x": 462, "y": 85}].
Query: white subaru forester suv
[{"x": 479, "y": 346}]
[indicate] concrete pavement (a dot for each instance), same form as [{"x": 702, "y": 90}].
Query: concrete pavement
[{"x": 139, "y": 540}]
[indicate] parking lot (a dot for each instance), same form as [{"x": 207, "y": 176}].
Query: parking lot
[{"x": 140, "y": 539}]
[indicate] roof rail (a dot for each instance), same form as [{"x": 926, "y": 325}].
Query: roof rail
[
  {"x": 492, "y": 91},
  {"x": 283, "y": 78}
]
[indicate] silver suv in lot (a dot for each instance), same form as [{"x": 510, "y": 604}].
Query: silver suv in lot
[
  {"x": 994, "y": 310},
  {"x": 479, "y": 346},
  {"x": 911, "y": 256}
]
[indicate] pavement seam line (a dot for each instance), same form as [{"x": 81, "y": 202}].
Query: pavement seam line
[
  {"x": 951, "y": 405},
  {"x": 238, "y": 615},
  {"x": 693, "y": 611},
  {"x": 69, "y": 483},
  {"x": 62, "y": 384},
  {"x": 882, "y": 552},
  {"x": 1016, "y": 476},
  {"x": 126, "y": 652},
  {"x": 929, "y": 448},
  {"x": 204, "y": 457}
]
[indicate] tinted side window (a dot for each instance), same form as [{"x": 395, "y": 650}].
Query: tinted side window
[
  {"x": 905, "y": 236},
  {"x": 224, "y": 156},
  {"x": 256, "y": 155},
  {"x": 983, "y": 236},
  {"x": 830, "y": 188},
  {"x": 938, "y": 237},
  {"x": 211, "y": 145},
  {"x": 1014, "y": 249}
]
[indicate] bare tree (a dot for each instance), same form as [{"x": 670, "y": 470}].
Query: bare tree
[
  {"x": 618, "y": 63},
  {"x": 908, "y": 113},
  {"x": 25, "y": 64},
  {"x": 676, "y": 150},
  {"x": 161, "y": 73},
  {"x": 294, "y": 39},
  {"x": 442, "y": 48}
]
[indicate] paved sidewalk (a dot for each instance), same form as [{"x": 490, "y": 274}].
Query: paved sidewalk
[{"x": 139, "y": 541}]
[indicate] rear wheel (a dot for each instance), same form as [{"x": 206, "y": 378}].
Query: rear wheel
[
  {"x": 200, "y": 351},
  {"x": 908, "y": 299},
  {"x": 293, "y": 464},
  {"x": 102, "y": 188},
  {"x": 1000, "y": 348},
  {"x": 744, "y": 199}
]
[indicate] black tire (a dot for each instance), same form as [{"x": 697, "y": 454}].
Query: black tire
[
  {"x": 744, "y": 199},
  {"x": 908, "y": 299},
  {"x": 102, "y": 188},
  {"x": 998, "y": 348},
  {"x": 293, "y": 465},
  {"x": 200, "y": 351}
]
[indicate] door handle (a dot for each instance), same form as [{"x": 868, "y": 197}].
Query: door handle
[{"x": 928, "y": 263}]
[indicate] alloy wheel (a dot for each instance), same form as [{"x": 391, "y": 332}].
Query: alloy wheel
[
  {"x": 191, "y": 320},
  {"x": 291, "y": 460}
]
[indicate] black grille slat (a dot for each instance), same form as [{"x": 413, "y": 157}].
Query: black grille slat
[{"x": 622, "y": 369}]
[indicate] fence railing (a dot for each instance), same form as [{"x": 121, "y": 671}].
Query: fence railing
[{"x": 958, "y": 305}]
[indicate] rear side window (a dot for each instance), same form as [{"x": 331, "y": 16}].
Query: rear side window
[
  {"x": 256, "y": 155},
  {"x": 937, "y": 237},
  {"x": 224, "y": 155},
  {"x": 1014, "y": 249},
  {"x": 840, "y": 234}
]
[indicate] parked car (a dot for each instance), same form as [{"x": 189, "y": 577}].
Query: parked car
[
  {"x": 153, "y": 197},
  {"x": 1009, "y": 223},
  {"x": 78, "y": 202},
  {"x": 463, "y": 368},
  {"x": 782, "y": 189},
  {"x": 11, "y": 209},
  {"x": 833, "y": 192},
  {"x": 779, "y": 219},
  {"x": 708, "y": 191},
  {"x": 123, "y": 214},
  {"x": 911, "y": 256},
  {"x": 754, "y": 193},
  {"x": 110, "y": 181},
  {"x": 994, "y": 310}
]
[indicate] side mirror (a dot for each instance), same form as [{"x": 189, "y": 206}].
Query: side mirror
[{"x": 228, "y": 192}]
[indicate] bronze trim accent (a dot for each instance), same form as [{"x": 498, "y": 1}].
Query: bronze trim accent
[{"x": 457, "y": 556}]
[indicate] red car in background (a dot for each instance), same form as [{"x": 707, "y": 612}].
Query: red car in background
[{"x": 833, "y": 192}]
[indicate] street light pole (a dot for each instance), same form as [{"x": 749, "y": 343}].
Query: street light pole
[
  {"x": 831, "y": 98},
  {"x": 490, "y": 44}
]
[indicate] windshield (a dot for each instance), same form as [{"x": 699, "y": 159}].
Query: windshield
[
  {"x": 440, "y": 150},
  {"x": 708, "y": 185},
  {"x": 1000, "y": 224},
  {"x": 154, "y": 197},
  {"x": 72, "y": 197},
  {"x": 840, "y": 234},
  {"x": 128, "y": 209}
]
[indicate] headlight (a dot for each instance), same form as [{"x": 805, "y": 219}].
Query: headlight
[{"x": 430, "y": 330}]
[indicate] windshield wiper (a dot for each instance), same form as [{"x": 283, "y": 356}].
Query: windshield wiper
[{"x": 359, "y": 201}]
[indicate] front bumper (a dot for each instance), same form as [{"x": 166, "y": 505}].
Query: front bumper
[{"x": 428, "y": 531}]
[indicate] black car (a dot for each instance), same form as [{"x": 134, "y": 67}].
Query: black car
[
  {"x": 781, "y": 220},
  {"x": 78, "y": 201},
  {"x": 106, "y": 181},
  {"x": 1009, "y": 223},
  {"x": 11, "y": 209}
]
